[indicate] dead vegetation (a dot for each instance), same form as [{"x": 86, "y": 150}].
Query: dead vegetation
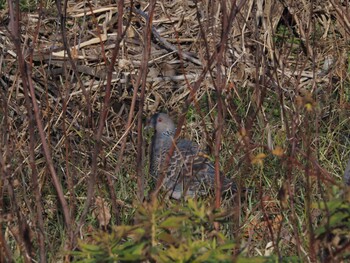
[{"x": 264, "y": 85}]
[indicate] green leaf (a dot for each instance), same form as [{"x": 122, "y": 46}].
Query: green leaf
[
  {"x": 133, "y": 252},
  {"x": 173, "y": 222},
  {"x": 167, "y": 238},
  {"x": 89, "y": 247}
]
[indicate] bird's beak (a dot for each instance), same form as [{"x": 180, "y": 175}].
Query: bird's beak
[
  {"x": 148, "y": 125},
  {"x": 148, "y": 130}
]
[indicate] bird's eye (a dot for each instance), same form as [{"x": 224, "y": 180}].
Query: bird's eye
[{"x": 160, "y": 119}]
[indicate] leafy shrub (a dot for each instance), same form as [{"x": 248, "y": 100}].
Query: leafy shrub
[
  {"x": 333, "y": 235},
  {"x": 179, "y": 233}
]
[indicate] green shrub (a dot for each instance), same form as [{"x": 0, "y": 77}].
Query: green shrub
[{"x": 179, "y": 233}]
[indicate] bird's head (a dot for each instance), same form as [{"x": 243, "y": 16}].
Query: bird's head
[{"x": 161, "y": 123}]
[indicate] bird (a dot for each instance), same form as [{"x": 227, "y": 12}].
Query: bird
[
  {"x": 188, "y": 172},
  {"x": 347, "y": 174}
]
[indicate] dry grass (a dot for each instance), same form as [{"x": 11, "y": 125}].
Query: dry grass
[{"x": 271, "y": 79}]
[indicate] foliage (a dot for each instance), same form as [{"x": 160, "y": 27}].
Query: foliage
[
  {"x": 179, "y": 233},
  {"x": 333, "y": 234},
  {"x": 278, "y": 79}
]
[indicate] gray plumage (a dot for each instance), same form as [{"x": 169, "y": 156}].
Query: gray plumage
[
  {"x": 188, "y": 171},
  {"x": 347, "y": 174}
]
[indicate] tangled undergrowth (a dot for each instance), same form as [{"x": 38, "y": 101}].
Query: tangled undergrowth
[{"x": 264, "y": 86}]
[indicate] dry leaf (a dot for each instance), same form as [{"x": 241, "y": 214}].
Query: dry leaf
[
  {"x": 278, "y": 151},
  {"x": 258, "y": 159},
  {"x": 102, "y": 211}
]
